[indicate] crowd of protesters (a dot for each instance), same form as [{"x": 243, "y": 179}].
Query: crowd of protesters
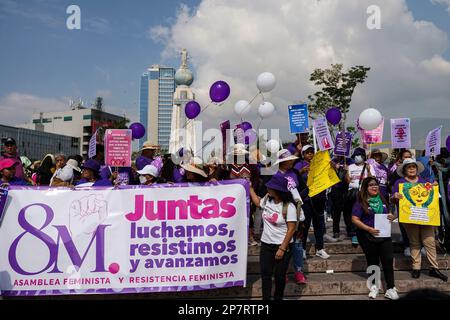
[{"x": 280, "y": 204}]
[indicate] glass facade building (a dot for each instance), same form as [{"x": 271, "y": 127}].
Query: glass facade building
[{"x": 162, "y": 98}]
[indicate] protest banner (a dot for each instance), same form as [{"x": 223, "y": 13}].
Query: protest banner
[
  {"x": 323, "y": 135},
  {"x": 401, "y": 133},
  {"x": 420, "y": 204},
  {"x": 118, "y": 147},
  {"x": 373, "y": 136},
  {"x": 298, "y": 118},
  {"x": 321, "y": 174},
  {"x": 100, "y": 240},
  {"x": 343, "y": 144},
  {"x": 433, "y": 143}
]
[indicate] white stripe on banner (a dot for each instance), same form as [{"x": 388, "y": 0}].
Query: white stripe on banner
[{"x": 128, "y": 240}]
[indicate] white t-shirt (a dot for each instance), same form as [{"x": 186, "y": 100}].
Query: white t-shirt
[
  {"x": 275, "y": 227},
  {"x": 354, "y": 172}
]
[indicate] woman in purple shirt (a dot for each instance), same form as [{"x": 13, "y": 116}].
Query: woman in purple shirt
[
  {"x": 409, "y": 170},
  {"x": 369, "y": 203}
]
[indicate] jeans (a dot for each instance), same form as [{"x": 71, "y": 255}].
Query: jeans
[
  {"x": 376, "y": 251},
  {"x": 270, "y": 266},
  {"x": 314, "y": 211},
  {"x": 297, "y": 254}
]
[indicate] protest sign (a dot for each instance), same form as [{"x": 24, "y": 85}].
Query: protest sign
[
  {"x": 118, "y": 147},
  {"x": 343, "y": 144},
  {"x": 401, "y": 133},
  {"x": 125, "y": 240},
  {"x": 93, "y": 145},
  {"x": 298, "y": 118},
  {"x": 373, "y": 136},
  {"x": 433, "y": 142},
  {"x": 321, "y": 174},
  {"x": 323, "y": 135},
  {"x": 420, "y": 204}
]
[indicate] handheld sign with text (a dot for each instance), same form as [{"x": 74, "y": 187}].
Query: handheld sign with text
[
  {"x": 118, "y": 147},
  {"x": 433, "y": 142},
  {"x": 298, "y": 118},
  {"x": 343, "y": 144},
  {"x": 373, "y": 136},
  {"x": 323, "y": 135},
  {"x": 401, "y": 133}
]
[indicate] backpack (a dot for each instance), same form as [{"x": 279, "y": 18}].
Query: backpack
[{"x": 298, "y": 206}]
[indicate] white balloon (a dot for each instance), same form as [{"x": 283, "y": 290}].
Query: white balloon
[
  {"x": 242, "y": 107},
  {"x": 273, "y": 146},
  {"x": 266, "y": 109},
  {"x": 370, "y": 119},
  {"x": 266, "y": 82}
]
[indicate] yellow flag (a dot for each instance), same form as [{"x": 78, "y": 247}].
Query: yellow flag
[
  {"x": 420, "y": 204},
  {"x": 321, "y": 174}
]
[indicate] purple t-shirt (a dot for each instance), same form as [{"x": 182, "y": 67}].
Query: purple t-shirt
[
  {"x": 178, "y": 175},
  {"x": 403, "y": 180},
  {"x": 98, "y": 183},
  {"x": 142, "y": 161},
  {"x": 367, "y": 219},
  {"x": 300, "y": 165},
  {"x": 16, "y": 182}
]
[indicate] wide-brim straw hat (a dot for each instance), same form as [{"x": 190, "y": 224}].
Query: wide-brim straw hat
[
  {"x": 408, "y": 161},
  {"x": 150, "y": 145},
  {"x": 284, "y": 155},
  {"x": 384, "y": 155},
  {"x": 195, "y": 165}
]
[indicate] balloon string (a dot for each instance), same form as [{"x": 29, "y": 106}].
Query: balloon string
[
  {"x": 189, "y": 120},
  {"x": 253, "y": 99},
  {"x": 206, "y": 144},
  {"x": 262, "y": 96}
]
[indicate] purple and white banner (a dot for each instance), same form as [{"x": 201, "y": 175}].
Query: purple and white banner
[
  {"x": 401, "y": 133},
  {"x": 433, "y": 142},
  {"x": 127, "y": 240},
  {"x": 323, "y": 135}
]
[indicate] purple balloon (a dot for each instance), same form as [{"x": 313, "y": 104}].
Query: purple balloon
[
  {"x": 447, "y": 143},
  {"x": 246, "y": 126},
  {"x": 192, "y": 109},
  {"x": 334, "y": 116},
  {"x": 219, "y": 91},
  {"x": 250, "y": 136},
  {"x": 137, "y": 130}
]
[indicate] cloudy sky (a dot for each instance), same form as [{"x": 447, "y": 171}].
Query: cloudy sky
[{"x": 44, "y": 64}]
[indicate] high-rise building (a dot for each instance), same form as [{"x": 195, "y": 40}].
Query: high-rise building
[{"x": 156, "y": 103}]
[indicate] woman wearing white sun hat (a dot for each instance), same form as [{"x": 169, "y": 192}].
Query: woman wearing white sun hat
[{"x": 418, "y": 235}]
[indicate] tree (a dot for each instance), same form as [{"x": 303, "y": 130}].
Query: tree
[{"x": 337, "y": 89}]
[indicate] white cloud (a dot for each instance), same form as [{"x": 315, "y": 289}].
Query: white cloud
[
  {"x": 18, "y": 107},
  {"x": 236, "y": 40},
  {"x": 442, "y": 2}
]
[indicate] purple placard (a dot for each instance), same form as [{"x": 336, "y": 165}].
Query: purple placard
[{"x": 343, "y": 144}]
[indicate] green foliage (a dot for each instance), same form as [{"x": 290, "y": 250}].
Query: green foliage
[{"x": 337, "y": 88}]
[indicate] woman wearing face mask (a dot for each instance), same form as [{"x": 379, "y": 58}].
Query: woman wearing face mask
[
  {"x": 355, "y": 175},
  {"x": 148, "y": 175},
  {"x": 418, "y": 235}
]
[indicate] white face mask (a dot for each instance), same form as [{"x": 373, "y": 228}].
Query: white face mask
[
  {"x": 359, "y": 159},
  {"x": 142, "y": 179}
]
